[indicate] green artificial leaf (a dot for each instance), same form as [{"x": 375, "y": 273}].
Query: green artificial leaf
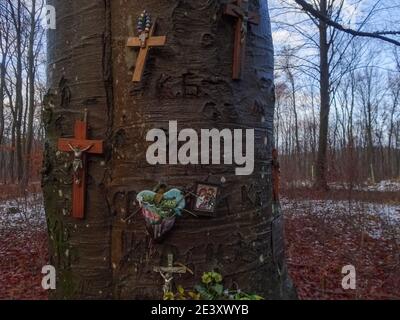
[
  {"x": 206, "y": 278},
  {"x": 169, "y": 296},
  {"x": 194, "y": 296},
  {"x": 219, "y": 289},
  {"x": 181, "y": 290},
  {"x": 205, "y": 295},
  {"x": 217, "y": 277}
]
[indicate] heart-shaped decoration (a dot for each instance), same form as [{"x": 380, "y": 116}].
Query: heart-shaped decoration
[{"x": 160, "y": 217}]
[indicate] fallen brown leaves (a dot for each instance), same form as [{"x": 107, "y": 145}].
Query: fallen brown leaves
[
  {"x": 22, "y": 256},
  {"x": 23, "y": 245},
  {"x": 321, "y": 236},
  {"x": 319, "y": 246}
]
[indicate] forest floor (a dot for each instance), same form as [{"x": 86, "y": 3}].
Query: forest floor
[
  {"x": 324, "y": 233},
  {"x": 331, "y": 230},
  {"x": 23, "y": 247}
]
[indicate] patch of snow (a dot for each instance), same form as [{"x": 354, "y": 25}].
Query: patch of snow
[
  {"x": 382, "y": 186},
  {"x": 299, "y": 184},
  {"x": 21, "y": 213},
  {"x": 376, "y": 219}
]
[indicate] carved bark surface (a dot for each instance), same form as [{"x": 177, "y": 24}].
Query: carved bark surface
[
  {"x": 78, "y": 77},
  {"x": 188, "y": 80}
]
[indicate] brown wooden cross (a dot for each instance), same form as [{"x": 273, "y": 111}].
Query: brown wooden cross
[
  {"x": 276, "y": 171},
  {"x": 145, "y": 42},
  {"x": 80, "y": 146},
  {"x": 239, "y": 9}
]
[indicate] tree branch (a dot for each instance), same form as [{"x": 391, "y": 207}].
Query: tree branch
[{"x": 377, "y": 35}]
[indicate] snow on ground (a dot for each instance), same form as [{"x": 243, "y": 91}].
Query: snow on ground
[
  {"x": 377, "y": 219},
  {"x": 23, "y": 248},
  {"x": 382, "y": 186},
  {"x": 324, "y": 235},
  {"x": 23, "y": 212}
]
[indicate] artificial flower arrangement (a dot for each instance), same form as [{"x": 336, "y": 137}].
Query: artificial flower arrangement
[
  {"x": 211, "y": 288},
  {"x": 160, "y": 209}
]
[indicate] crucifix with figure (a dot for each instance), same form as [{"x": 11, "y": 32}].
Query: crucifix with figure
[
  {"x": 167, "y": 273},
  {"x": 239, "y": 9},
  {"x": 80, "y": 146},
  {"x": 145, "y": 41}
]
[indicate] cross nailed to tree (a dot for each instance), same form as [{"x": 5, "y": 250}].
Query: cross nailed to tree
[
  {"x": 168, "y": 272},
  {"x": 80, "y": 146},
  {"x": 239, "y": 9},
  {"x": 145, "y": 41}
]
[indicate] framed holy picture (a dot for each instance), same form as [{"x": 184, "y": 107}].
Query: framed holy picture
[{"x": 205, "y": 200}]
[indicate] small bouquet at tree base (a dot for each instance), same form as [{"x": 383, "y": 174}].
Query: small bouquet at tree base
[{"x": 211, "y": 288}]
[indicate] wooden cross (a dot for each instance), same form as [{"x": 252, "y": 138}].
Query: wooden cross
[
  {"x": 168, "y": 273},
  {"x": 239, "y": 9},
  {"x": 80, "y": 146},
  {"x": 275, "y": 175},
  {"x": 145, "y": 42}
]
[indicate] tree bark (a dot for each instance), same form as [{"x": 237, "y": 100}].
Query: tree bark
[
  {"x": 19, "y": 102},
  {"x": 2, "y": 94},
  {"x": 321, "y": 181},
  {"x": 78, "y": 78},
  {"x": 17, "y": 20},
  {"x": 31, "y": 81},
  {"x": 188, "y": 80}
]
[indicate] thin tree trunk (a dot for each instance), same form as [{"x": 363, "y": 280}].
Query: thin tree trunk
[
  {"x": 11, "y": 164},
  {"x": 370, "y": 143},
  {"x": 31, "y": 76},
  {"x": 17, "y": 19},
  {"x": 396, "y": 96},
  {"x": 321, "y": 180},
  {"x": 2, "y": 96},
  {"x": 296, "y": 118}
]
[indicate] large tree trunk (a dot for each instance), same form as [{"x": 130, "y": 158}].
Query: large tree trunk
[{"x": 188, "y": 80}]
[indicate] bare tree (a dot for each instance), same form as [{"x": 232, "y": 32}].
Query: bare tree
[
  {"x": 337, "y": 57},
  {"x": 21, "y": 39},
  {"x": 35, "y": 34}
]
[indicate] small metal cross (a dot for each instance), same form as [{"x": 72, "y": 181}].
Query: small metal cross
[{"x": 167, "y": 273}]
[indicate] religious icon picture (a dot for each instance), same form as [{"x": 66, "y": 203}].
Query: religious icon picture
[{"x": 205, "y": 202}]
